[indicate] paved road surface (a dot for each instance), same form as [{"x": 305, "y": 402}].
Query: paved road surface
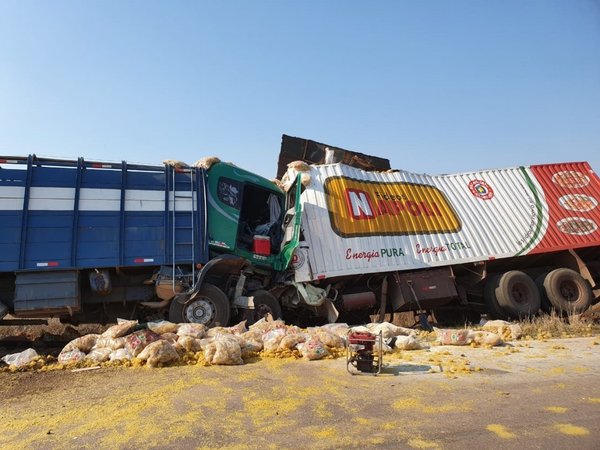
[{"x": 534, "y": 395}]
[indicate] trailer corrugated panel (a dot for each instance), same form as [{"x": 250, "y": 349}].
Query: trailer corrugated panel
[
  {"x": 572, "y": 194},
  {"x": 78, "y": 214},
  {"x": 44, "y": 293},
  {"x": 364, "y": 222}
]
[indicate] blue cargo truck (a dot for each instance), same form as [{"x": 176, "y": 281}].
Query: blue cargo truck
[{"x": 90, "y": 241}]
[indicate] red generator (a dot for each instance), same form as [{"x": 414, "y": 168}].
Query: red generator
[{"x": 364, "y": 353}]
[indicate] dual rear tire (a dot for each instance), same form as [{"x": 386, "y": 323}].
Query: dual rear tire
[
  {"x": 515, "y": 294},
  {"x": 512, "y": 294},
  {"x": 564, "y": 291}
]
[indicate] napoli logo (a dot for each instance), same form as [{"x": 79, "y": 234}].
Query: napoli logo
[{"x": 481, "y": 189}]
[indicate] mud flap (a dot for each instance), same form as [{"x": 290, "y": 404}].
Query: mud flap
[{"x": 3, "y": 310}]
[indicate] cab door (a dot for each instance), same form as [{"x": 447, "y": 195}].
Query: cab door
[{"x": 291, "y": 224}]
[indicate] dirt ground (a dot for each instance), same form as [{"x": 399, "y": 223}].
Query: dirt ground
[{"x": 536, "y": 394}]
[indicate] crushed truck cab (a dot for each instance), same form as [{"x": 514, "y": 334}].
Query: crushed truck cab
[{"x": 245, "y": 216}]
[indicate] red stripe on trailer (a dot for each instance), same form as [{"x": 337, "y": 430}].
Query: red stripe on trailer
[
  {"x": 143, "y": 260},
  {"x": 8, "y": 161},
  {"x": 101, "y": 166},
  {"x": 47, "y": 264}
]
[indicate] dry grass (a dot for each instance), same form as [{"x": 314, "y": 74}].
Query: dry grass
[
  {"x": 554, "y": 326},
  {"x": 544, "y": 326}
]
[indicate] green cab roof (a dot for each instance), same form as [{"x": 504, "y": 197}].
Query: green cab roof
[{"x": 231, "y": 171}]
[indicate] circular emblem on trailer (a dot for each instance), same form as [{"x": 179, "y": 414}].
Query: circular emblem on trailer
[
  {"x": 298, "y": 259},
  {"x": 481, "y": 189}
]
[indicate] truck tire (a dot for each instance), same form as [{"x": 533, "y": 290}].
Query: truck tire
[
  {"x": 491, "y": 302},
  {"x": 517, "y": 294},
  {"x": 567, "y": 291},
  {"x": 265, "y": 303},
  {"x": 209, "y": 307}
]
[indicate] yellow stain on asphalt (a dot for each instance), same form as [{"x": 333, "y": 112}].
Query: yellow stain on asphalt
[
  {"x": 422, "y": 443},
  {"x": 270, "y": 412},
  {"x": 501, "y": 431},
  {"x": 556, "y": 409},
  {"x": 557, "y": 371},
  {"x": 593, "y": 399},
  {"x": 571, "y": 430},
  {"x": 417, "y": 405},
  {"x": 131, "y": 417},
  {"x": 363, "y": 420},
  {"x": 325, "y": 433},
  {"x": 323, "y": 410},
  {"x": 231, "y": 447},
  {"x": 452, "y": 365}
]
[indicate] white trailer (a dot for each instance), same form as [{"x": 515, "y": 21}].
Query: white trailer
[{"x": 503, "y": 242}]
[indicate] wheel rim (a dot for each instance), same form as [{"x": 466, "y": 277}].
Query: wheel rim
[
  {"x": 569, "y": 290},
  {"x": 520, "y": 293},
  {"x": 200, "y": 310}
]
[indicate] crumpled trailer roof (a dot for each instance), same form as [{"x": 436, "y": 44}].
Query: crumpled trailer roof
[{"x": 357, "y": 222}]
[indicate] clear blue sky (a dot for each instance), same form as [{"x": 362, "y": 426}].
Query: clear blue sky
[{"x": 435, "y": 86}]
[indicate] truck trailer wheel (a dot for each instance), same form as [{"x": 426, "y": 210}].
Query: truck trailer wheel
[
  {"x": 567, "y": 291},
  {"x": 265, "y": 303},
  {"x": 209, "y": 307},
  {"x": 517, "y": 294}
]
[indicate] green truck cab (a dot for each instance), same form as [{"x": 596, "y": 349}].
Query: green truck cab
[
  {"x": 246, "y": 215},
  {"x": 253, "y": 229}
]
